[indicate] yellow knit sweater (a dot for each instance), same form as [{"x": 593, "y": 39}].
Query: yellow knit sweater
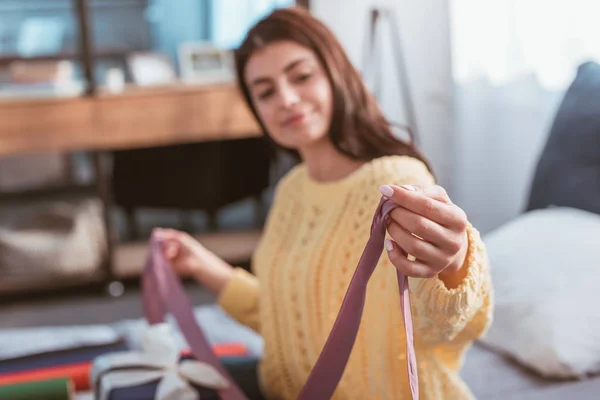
[{"x": 313, "y": 239}]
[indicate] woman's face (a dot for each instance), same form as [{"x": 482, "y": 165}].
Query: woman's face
[{"x": 292, "y": 94}]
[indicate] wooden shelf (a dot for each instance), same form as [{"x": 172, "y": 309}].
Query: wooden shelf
[
  {"x": 137, "y": 117},
  {"x": 234, "y": 247},
  {"x": 6, "y": 59},
  {"x": 66, "y": 189},
  {"x": 10, "y": 286}
]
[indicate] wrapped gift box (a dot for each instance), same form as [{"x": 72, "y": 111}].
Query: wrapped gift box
[{"x": 158, "y": 372}]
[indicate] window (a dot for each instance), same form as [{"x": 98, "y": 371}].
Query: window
[
  {"x": 231, "y": 19},
  {"x": 40, "y": 39}
]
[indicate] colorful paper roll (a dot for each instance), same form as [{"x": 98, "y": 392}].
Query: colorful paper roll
[
  {"x": 60, "y": 357},
  {"x": 50, "y": 389},
  {"x": 230, "y": 350},
  {"x": 224, "y": 350},
  {"x": 78, "y": 374}
]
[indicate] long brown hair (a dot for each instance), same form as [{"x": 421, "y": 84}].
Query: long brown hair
[{"x": 358, "y": 127}]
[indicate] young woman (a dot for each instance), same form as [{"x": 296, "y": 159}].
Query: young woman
[{"x": 310, "y": 101}]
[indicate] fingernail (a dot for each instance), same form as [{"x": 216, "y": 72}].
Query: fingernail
[
  {"x": 389, "y": 245},
  {"x": 386, "y": 190},
  {"x": 410, "y": 188}
]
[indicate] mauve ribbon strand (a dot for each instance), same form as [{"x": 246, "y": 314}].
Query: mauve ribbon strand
[
  {"x": 161, "y": 288},
  {"x": 330, "y": 365}
]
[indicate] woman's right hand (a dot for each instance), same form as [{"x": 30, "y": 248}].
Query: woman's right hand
[{"x": 189, "y": 258}]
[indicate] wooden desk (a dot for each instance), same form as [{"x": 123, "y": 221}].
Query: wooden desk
[{"x": 137, "y": 117}]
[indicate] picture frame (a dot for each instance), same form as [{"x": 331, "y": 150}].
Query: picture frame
[{"x": 202, "y": 62}]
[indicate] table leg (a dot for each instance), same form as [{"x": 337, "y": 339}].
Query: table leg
[{"x": 102, "y": 178}]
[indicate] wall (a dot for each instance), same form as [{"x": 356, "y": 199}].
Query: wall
[{"x": 424, "y": 29}]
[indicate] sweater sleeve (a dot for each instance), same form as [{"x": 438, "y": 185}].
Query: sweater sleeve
[
  {"x": 442, "y": 315},
  {"x": 461, "y": 313},
  {"x": 240, "y": 298}
]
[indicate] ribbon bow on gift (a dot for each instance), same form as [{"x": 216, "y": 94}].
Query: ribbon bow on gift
[{"x": 159, "y": 361}]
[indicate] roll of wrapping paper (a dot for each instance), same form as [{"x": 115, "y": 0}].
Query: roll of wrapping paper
[
  {"x": 78, "y": 374},
  {"x": 59, "y": 357},
  {"x": 223, "y": 350},
  {"x": 49, "y": 389}
]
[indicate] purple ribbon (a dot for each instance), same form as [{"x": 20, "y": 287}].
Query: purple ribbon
[{"x": 162, "y": 290}]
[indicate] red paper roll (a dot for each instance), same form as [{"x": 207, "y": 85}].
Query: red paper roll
[{"x": 79, "y": 373}]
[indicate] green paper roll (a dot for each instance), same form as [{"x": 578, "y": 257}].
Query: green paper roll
[{"x": 49, "y": 389}]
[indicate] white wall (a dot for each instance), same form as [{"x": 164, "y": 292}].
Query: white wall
[
  {"x": 424, "y": 28},
  {"x": 506, "y": 99}
]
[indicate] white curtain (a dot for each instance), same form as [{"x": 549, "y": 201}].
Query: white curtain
[
  {"x": 512, "y": 61},
  {"x": 505, "y": 39}
]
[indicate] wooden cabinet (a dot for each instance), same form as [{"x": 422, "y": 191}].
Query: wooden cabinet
[
  {"x": 136, "y": 118},
  {"x": 140, "y": 118}
]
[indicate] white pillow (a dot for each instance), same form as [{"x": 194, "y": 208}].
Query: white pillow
[{"x": 546, "y": 275}]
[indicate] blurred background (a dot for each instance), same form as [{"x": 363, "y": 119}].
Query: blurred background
[
  {"x": 117, "y": 116},
  {"x": 124, "y": 115}
]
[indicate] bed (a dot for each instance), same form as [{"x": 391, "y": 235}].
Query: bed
[
  {"x": 571, "y": 157},
  {"x": 492, "y": 376}
]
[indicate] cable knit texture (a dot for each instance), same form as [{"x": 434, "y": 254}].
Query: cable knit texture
[{"x": 313, "y": 239}]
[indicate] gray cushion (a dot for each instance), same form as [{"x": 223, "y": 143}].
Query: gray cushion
[{"x": 568, "y": 171}]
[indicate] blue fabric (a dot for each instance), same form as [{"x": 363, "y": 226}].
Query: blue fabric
[{"x": 568, "y": 171}]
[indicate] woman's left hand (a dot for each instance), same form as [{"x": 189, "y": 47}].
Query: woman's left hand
[{"x": 429, "y": 227}]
